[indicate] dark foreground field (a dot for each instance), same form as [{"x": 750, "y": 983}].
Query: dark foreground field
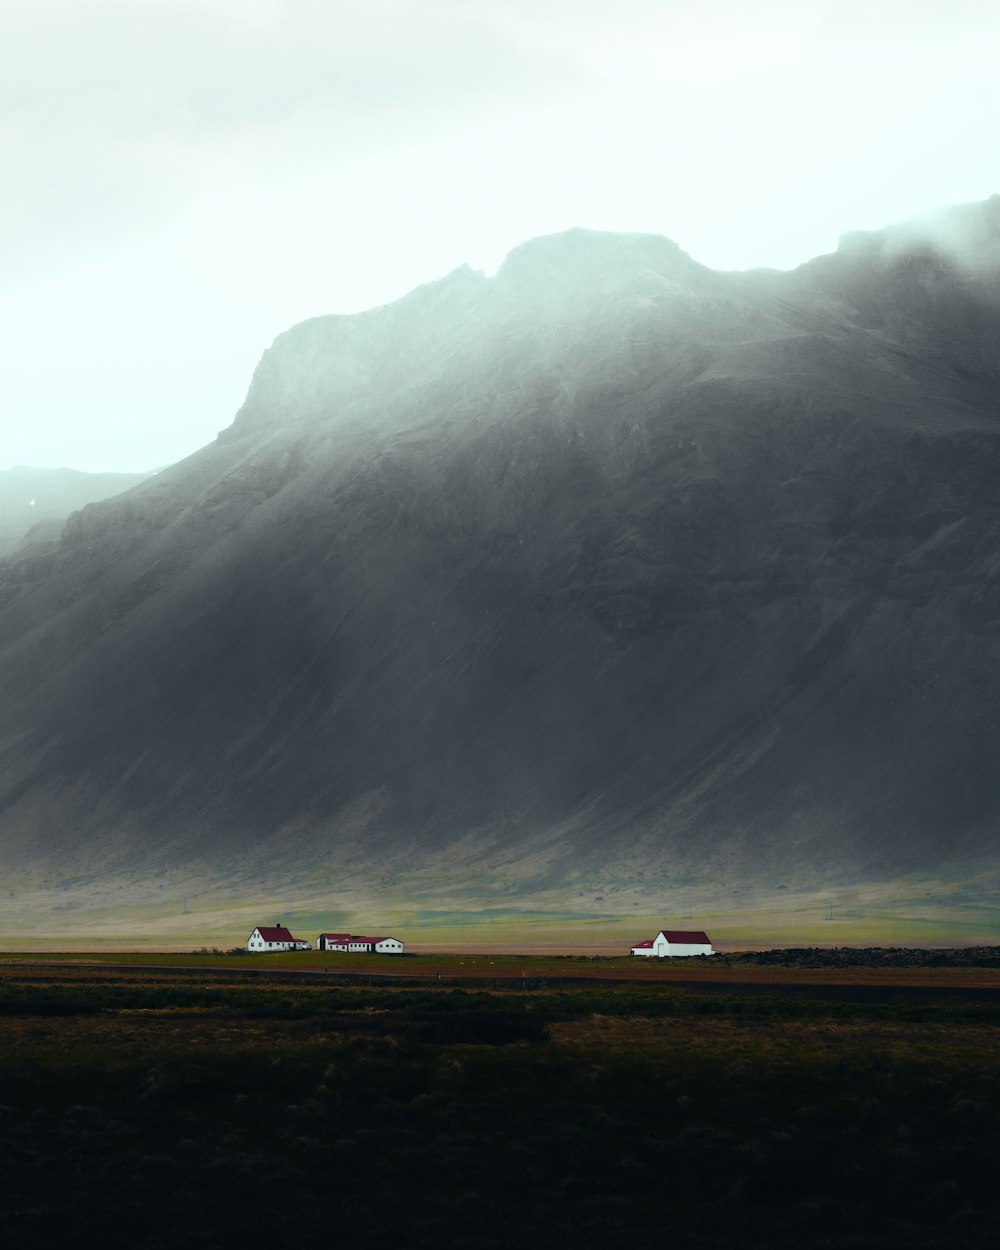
[{"x": 148, "y": 1111}]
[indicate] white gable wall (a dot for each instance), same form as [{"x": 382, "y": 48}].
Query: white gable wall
[
  {"x": 256, "y": 943},
  {"x": 663, "y": 947}
]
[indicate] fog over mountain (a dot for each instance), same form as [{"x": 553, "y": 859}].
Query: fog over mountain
[
  {"x": 608, "y": 564},
  {"x": 34, "y": 503}
]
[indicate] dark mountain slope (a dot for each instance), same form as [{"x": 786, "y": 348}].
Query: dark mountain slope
[{"x": 606, "y": 559}]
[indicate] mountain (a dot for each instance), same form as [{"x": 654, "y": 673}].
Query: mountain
[
  {"x": 35, "y": 503},
  {"x": 607, "y": 568}
]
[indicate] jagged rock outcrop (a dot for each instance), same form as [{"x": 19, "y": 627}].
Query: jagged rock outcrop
[
  {"x": 34, "y": 503},
  {"x": 604, "y": 561}
]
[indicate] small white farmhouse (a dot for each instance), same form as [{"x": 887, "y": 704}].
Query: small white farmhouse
[
  {"x": 675, "y": 942},
  {"x": 351, "y": 942},
  {"x": 275, "y": 938}
]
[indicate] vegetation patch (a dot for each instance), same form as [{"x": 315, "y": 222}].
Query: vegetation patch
[{"x": 430, "y": 1115}]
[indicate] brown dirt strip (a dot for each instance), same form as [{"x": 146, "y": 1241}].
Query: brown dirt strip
[{"x": 701, "y": 976}]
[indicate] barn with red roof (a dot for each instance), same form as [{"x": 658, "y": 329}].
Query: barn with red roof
[{"x": 674, "y": 942}]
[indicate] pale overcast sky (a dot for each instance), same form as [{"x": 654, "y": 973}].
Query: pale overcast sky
[{"x": 184, "y": 179}]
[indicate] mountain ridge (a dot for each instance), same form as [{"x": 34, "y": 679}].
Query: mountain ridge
[{"x": 605, "y": 562}]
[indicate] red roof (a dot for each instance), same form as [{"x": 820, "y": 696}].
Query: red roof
[
  {"x": 336, "y": 937},
  {"x": 275, "y": 933},
  {"x": 638, "y": 946},
  {"x": 692, "y": 937}
]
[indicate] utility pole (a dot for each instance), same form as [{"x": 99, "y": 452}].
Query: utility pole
[{"x": 828, "y": 910}]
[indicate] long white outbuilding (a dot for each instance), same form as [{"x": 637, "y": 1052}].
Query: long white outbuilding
[{"x": 353, "y": 942}]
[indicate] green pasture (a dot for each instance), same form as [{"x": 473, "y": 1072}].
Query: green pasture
[{"x": 139, "y": 914}]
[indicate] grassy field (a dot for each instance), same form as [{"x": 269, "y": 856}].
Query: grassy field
[
  {"x": 970, "y": 967},
  {"x": 492, "y": 914},
  {"x": 797, "y": 1101}
]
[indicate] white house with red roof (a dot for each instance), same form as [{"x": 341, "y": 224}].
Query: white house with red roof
[
  {"x": 353, "y": 943},
  {"x": 673, "y": 942},
  {"x": 275, "y": 938}
]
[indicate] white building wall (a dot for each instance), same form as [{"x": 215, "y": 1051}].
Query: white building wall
[
  {"x": 256, "y": 943},
  {"x": 662, "y": 949}
]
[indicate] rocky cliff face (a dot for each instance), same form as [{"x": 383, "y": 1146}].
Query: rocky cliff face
[{"x": 605, "y": 561}]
